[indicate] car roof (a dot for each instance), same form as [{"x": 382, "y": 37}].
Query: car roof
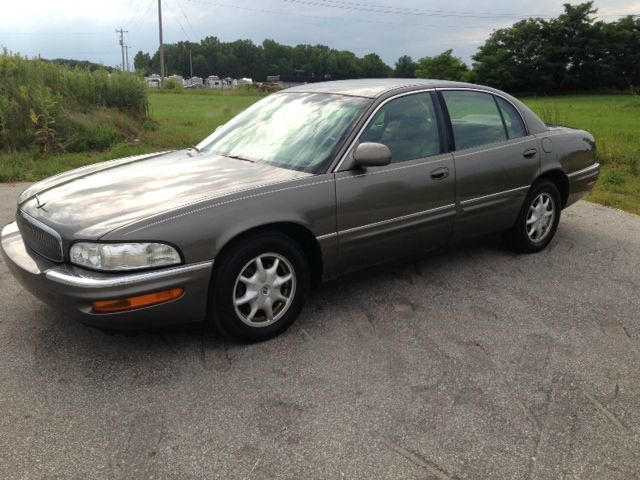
[
  {"x": 374, "y": 87},
  {"x": 377, "y": 87}
]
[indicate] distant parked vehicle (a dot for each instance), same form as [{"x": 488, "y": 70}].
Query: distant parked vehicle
[{"x": 306, "y": 184}]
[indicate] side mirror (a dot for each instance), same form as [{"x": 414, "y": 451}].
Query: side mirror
[{"x": 369, "y": 154}]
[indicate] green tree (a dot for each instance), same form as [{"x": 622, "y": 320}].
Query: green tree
[
  {"x": 622, "y": 62},
  {"x": 372, "y": 66},
  {"x": 347, "y": 65},
  {"x": 570, "y": 53},
  {"x": 277, "y": 58},
  {"x": 444, "y": 67},
  {"x": 142, "y": 63},
  {"x": 405, "y": 67},
  {"x": 516, "y": 58}
]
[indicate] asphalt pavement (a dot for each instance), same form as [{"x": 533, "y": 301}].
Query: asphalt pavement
[{"x": 475, "y": 363}]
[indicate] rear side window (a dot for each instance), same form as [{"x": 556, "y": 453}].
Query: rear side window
[
  {"x": 408, "y": 126},
  {"x": 512, "y": 120},
  {"x": 475, "y": 119}
]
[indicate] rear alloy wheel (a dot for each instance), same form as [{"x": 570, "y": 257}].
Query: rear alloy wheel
[
  {"x": 538, "y": 219},
  {"x": 259, "y": 286}
]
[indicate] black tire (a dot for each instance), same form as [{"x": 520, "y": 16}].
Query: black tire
[
  {"x": 237, "y": 259},
  {"x": 518, "y": 238}
]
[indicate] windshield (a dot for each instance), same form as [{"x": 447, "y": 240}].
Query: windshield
[{"x": 298, "y": 131}]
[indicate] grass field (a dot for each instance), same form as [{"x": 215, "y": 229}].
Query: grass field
[
  {"x": 183, "y": 119},
  {"x": 614, "y": 120},
  {"x": 177, "y": 120}
]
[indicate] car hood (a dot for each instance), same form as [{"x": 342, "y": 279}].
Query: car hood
[{"x": 89, "y": 202}]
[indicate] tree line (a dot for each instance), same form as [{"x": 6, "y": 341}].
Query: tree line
[{"x": 572, "y": 52}]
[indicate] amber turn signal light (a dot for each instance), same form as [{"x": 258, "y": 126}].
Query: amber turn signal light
[{"x": 125, "y": 304}]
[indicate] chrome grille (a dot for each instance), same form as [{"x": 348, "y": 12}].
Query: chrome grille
[{"x": 39, "y": 237}]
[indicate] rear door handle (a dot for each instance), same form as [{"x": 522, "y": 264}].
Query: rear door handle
[
  {"x": 440, "y": 173},
  {"x": 530, "y": 152}
]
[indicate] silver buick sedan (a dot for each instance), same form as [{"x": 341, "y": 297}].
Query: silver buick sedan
[{"x": 305, "y": 185}]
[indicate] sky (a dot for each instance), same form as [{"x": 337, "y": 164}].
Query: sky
[{"x": 85, "y": 29}]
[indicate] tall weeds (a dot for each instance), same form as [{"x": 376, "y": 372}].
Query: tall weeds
[{"x": 36, "y": 98}]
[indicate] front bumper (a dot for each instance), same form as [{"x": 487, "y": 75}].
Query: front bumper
[{"x": 72, "y": 289}]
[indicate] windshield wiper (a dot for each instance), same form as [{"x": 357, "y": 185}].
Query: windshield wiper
[
  {"x": 193, "y": 147},
  {"x": 236, "y": 157}
]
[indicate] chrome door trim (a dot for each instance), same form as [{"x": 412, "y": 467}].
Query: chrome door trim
[
  {"x": 395, "y": 219},
  {"x": 368, "y": 121},
  {"x": 384, "y": 222},
  {"x": 326, "y": 236},
  {"x": 484, "y": 197}
]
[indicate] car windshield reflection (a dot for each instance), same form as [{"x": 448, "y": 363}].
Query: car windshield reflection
[{"x": 298, "y": 131}]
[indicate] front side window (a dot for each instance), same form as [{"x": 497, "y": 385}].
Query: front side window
[
  {"x": 475, "y": 119},
  {"x": 512, "y": 120},
  {"x": 408, "y": 126},
  {"x": 298, "y": 131}
]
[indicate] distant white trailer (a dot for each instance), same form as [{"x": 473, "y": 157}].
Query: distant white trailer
[
  {"x": 178, "y": 79},
  {"x": 213, "y": 81},
  {"x": 153, "y": 80}
]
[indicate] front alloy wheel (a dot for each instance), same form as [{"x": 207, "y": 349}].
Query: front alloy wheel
[
  {"x": 258, "y": 287},
  {"x": 264, "y": 290}
]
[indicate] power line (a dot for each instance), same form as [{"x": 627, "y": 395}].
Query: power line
[
  {"x": 377, "y": 8},
  {"x": 135, "y": 14},
  {"x": 399, "y": 10},
  {"x": 405, "y": 11},
  {"x": 41, "y": 33},
  {"x": 178, "y": 22},
  {"x": 128, "y": 10},
  {"x": 186, "y": 18},
  {"x": 334, "y": 18},
  {"x": 136, "y": 22}
]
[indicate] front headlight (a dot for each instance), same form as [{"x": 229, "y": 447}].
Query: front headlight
[{"x": 123, "y": 256}]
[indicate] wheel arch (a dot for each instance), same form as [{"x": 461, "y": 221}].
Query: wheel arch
[
  {"x": 298, "y": 233},
  {"x": 560, "y": 179}
]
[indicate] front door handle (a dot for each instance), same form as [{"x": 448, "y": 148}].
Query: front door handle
[
  {"x": 530, "y": 152},
  {"x": 440, "y": 173}
]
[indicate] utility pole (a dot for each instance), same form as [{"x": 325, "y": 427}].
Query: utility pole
[
  {"x": 122, "y": 32},
  {"x": 190, "y": 63},
  {"x": 127, "y": 47},
  {"x": 161, "y": 44}
]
